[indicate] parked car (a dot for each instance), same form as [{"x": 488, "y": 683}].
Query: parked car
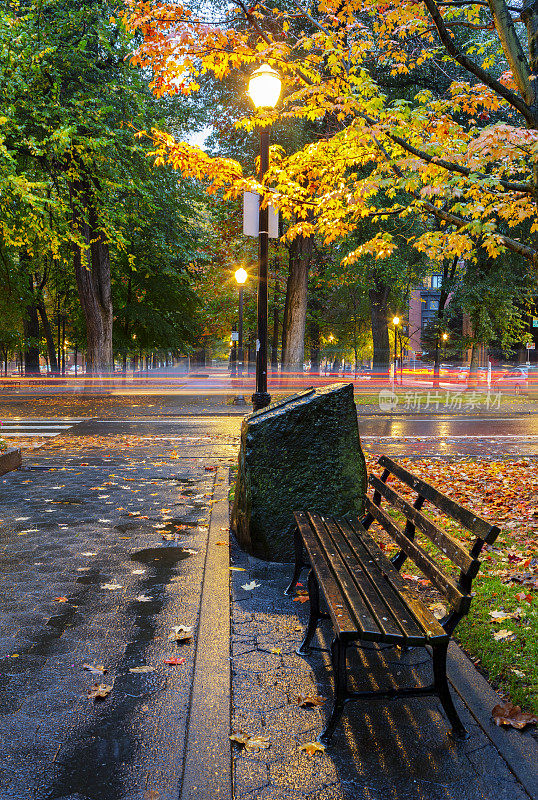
[
  {"x": 515, "y": 380},
  {"x": 462, "y": 375}
]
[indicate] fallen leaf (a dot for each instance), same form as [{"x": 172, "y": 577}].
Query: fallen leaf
[
  {"x": 310, "y": 701},
  {"x": 249, "y": 586},
  {"x": 143, "y": 598},
  {"x": 225, "y": 544},
  {"x": 503, "y": 635},
  {"x": 99, "y": 691},
  {"x": 142, "y": 669},
  {"x": 518, "y": 672},
  {"x": 169, "y": 537},
  {"x": 175, "y": 662},
  {"x": 210, "y": 469},
  {"x": 301, "y": 599},
  {"x": 499, "y": 616},
  {"x": 250, "y": 742},
  {"x": 439, "y": 610},
  {"x": 112, "y": 586},
  {"x": 173, "y": 454},
  {"x": 312, "y": 747},
  {"x": 138, "y": 572},
  {"x": 95, "y": 669},
  {"x": 240, "y": 738},
  {"x": 180, "y": 633},
  {"x": 507, "y": 713},
  {"x": 61, "y": 599}
]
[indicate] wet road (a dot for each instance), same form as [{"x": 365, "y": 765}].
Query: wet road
[
  {"x": 450, "y": 436},
  {"x": 395, "y": 436}
]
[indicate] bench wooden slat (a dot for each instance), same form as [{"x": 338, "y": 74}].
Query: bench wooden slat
[
  {"x": 343, "y": 622},
  {"x": 422, "y": 613},
  {"x": 421, "y": 558},
  {"x": 444, "y": 541},
  {"x": 414, "y": 633},
  {"x": 377, "y": 606},
  {"x": 356, "y": 602},
  {"x": 480, "y": 527}
]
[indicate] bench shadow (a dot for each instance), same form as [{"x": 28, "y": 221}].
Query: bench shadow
[{"x": 382, "y": 748}]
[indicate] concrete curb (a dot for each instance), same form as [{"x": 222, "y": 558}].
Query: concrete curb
[
  {"x": 207, "y": 769},
  {"x": 518, "y": 748},
  {"x": 11, "y": 459}
]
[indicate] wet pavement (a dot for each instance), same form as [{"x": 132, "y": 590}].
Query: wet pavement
[
  {"x": 103, "y": 547},
  {"x": 383, "y": 750},
  {"x": 88, "y": 577}
]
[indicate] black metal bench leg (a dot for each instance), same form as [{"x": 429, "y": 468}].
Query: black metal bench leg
[
  {"x": 338, "y": 658},
  {"x": 441, "y": 686},
  {"x": 299, "y": 562},
  {"x": 315, "y": 615}
]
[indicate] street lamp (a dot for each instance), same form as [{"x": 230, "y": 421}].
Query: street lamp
[
  {"x": 241, "y": 277},
  {"x": 264, "y": 90},
  {"x": 395, "y": 322},
  {"x": 445, "y": 339}
]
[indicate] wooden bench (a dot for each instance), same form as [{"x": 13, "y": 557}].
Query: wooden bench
[{"x": 366, "y": 597}]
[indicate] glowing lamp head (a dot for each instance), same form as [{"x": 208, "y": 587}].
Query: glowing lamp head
[
  {"x": 396, "y": 320},
  {"x": 264, "y": 87},
  {"x": 241, "y": 275},
  {"x": 445, "y": 336}
]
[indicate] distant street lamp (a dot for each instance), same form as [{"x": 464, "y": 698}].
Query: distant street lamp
[
  {"x": 445, "y": 339},
  {"x": 395, "y": 322},
  {"x": 264, "y": 90}
]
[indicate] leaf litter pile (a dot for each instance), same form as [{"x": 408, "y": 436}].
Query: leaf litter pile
[{"x": 500, "y": 631}]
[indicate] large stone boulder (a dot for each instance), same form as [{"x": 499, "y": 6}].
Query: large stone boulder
[{"x": 301, "y": 453}]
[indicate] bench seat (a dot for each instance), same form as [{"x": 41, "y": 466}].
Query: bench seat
[{"x": 367, "y": 598}]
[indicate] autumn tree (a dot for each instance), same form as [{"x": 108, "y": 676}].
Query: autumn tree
[{"x": 461, "y": 151}]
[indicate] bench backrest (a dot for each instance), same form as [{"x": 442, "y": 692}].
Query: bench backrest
[{"x": 456, "y": 592}]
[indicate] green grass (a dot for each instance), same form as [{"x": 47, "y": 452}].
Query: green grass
[{"x": 500, "y": 659}]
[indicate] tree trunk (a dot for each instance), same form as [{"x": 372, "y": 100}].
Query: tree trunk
[
  {"x": 92, "y": 272},
  {"x": 274, "y": 343},
  {"x": 472, "y": 381},
  {"x": 379, "y": 311},
  {"x": 296, "y": 302},
  {"x": 314, "y": 335},
  {"x": 31, "y": 331},
  {"x": 47, "y": 330}
]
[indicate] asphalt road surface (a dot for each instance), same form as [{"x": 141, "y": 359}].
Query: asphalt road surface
[{"x": 395, "y": 436}]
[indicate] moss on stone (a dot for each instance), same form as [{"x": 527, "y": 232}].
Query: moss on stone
[{"x": 301, "y": 453}]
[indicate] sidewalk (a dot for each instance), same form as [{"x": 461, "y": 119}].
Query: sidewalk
[{"x": 117, "y": 533}]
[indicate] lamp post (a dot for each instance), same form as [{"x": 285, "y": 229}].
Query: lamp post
[
  {"x": 240, "y": 276},
  {"x": 395, "y": 322},
  {"x": 264, "y": 90}
]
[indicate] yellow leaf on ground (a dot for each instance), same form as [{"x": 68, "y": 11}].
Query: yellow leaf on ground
[{"x": 312, "y": 747}]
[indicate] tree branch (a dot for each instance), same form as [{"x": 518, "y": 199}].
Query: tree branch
[
  {"x": 451, "y": 166},
  {"x": 460, "y": 3},
  {"x": 512, "y": 98},
  {"x": 458, "y": 222}
]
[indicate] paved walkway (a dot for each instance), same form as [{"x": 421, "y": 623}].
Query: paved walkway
[
  {"x": 386, "y": 751},
  {"x": 111, "y": 537}
]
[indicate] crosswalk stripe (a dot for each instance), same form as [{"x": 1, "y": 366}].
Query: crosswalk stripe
[{"x": 37, "y": 427}]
